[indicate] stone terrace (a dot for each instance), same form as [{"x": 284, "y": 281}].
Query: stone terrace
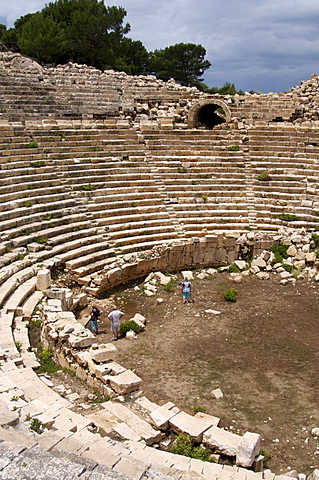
[{"x": 97, "y": 166}]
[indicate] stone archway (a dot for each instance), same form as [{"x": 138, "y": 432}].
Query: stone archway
[{"x": 208, "y": 113}]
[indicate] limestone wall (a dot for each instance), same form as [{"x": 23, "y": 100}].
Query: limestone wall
[
  {"x": 211, "y": 250},
  {"x": 74, "y": 90}
]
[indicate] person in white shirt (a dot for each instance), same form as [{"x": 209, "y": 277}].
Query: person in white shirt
[{"x": 115, "y": 317}]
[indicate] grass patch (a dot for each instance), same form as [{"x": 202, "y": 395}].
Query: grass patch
[
  {"x": 288, "y": 217},
  {"x": 170, "y": 286},
  {"x": 33, "y": 144},
  {"x": 38, "y": 163},
  {"x": 264, "y": 177},
  {"x": 234, "y": 148}
]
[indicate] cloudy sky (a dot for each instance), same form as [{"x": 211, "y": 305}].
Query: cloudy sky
[{"x": 264, "y": 45}]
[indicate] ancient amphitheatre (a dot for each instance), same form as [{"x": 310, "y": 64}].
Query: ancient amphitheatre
[{"x": 109, "y": 178}]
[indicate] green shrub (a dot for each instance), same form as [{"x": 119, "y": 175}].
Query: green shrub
[
  {"x": 94, "y": 149},
  {"x": 127, "y": 326},
  {"x": 280, "y": 251},
  {"x": 183, "y": 445},
  {"x": 266, "y": 456},
  {"x": 18, "y": 346},
  {"x": 47, "y": 364},
  {"x": 28, "y": 203},
  {"x": 231, "y": 295},
  {"x": 181, "y": 170},
  {"x": 315, "y": 239},
  {"x": 234, "y": 148},
  {"x": 32, "y": 144},
  {"x": 233, "y": 269},
  {"x": 289, "y": 268},
  {"x": 288, "y": 217},
  {"x": 27, "y": 231},
  {"x": 37, "y": 426},
  {"x": 264, "y": 177}
]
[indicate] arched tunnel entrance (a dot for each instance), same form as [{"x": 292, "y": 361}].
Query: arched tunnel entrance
[
  {"x": 208, "y": 114},
  {"x": 211, "y": 115}
]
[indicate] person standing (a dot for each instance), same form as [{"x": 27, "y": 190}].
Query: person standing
[
  {"x": 115, "y": 317},
  {"x": 186, "y": 291},
  {"x": 95, "y": 313}
]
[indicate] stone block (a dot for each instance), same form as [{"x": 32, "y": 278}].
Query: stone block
[
  {"x": 43, "y": 279},
  {"x": 126, "y": 432},
  {"x": 247, "y": 449},
  {"x": 311, "y": 257},
  {"x": 163, "y": 414},
  {"x": 81, "y": 339},
  {"x": 314, "y": 475},
  {"x": 8, "y": 417},
  {"x": 140, "y": 426},
  {"x": 210, "y": 420},
  {"x": 223, "y": 441},
  {"x": 185, "y": 423},
  {"x": 103, "y": 352},
  {"x": 125, "y": 382}
]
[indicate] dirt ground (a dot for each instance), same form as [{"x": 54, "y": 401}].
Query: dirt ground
[{"x": 261, "y": 351}]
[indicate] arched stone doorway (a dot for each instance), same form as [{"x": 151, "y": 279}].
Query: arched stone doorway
[{"x": 208, "y": 113}]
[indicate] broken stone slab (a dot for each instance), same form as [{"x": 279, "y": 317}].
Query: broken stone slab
[
  {"x": 103, "y": 352},
  {"x": 125, "y": 382},
  {"x": 247, "y": 449},
  {"x": 140, "y": 426},
  {"x": 259, "y": 262},
  {"x": 164, "y": 279},
  {"x": 115, "y": 368},
  {"x": 8, "y": 417},
  {"x": 285, "y": 274},
  {"x": 146, "y": 404},
  {"x": 140, "y": 320},
  {"x": 187, "y": 275},
  {"x": 311, "y": 257},
  {"x": 263, "y": 275},
  {"x": 314, "y": 475},
  {"x": 126, "y": 432},
  {"x": 214, "y": 312},
  {"x": 163, "y": 414},
  {"x": 223, "y": 441},
  {"x": 210, "y": 420},
  {"x": 292, "y": 251},
  {"x": 81, "y": 339},
  {"x": 217, "y": 393},
  {"x": 241, "y": 264},
  {"x": 185, "y": 423}
]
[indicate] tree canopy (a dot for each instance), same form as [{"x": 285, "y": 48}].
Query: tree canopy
[
  {"x": 87, "y": 31},
  {"x": 184, "y": 62}
]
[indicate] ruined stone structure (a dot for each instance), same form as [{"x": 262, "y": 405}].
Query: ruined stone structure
[{"x": 111, "y": 177}]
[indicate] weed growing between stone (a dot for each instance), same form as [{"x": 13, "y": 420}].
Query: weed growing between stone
[{"x": 183, "y": 445}]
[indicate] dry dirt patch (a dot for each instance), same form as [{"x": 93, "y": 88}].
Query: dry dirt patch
[{"x": 261, "y": 351}]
